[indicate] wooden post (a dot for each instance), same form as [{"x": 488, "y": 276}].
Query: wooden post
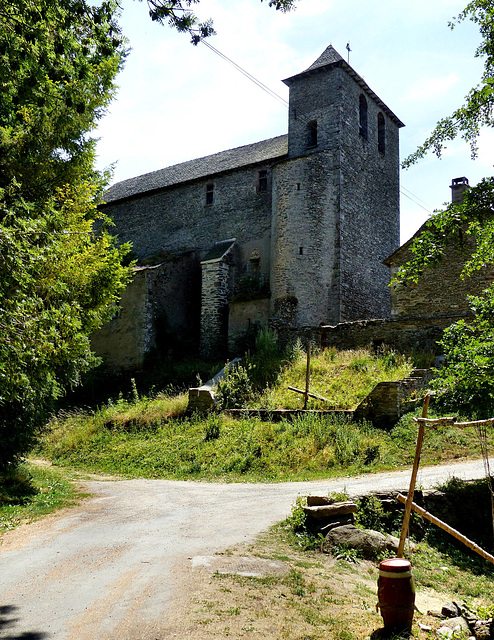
[
  {"x": 307, "y": 377},
  {"x": 415, "y": 468},
  {"x": 456, "y": 534}
]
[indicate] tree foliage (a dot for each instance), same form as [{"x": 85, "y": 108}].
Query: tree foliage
[
  {"x": 478, "y": 108},
  {"x": 180, "y": 16},
  {"x": 466, "y": 383},
  {"x": 60, "y": 270},
  {"x": 467, "y": 226}
]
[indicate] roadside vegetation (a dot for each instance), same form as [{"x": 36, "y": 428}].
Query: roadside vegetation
[
  {"x": 333, "y": 596},
  {"x": 154, "y": 437},
  {"x": 32, "y": 491},
  {"x": 218, "y": 447}
]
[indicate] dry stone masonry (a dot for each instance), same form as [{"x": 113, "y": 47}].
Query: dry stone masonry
[{"x": 292, "y": 230}]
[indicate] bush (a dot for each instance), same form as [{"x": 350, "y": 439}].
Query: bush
[
  {"x": 235, "y": 389},
  {"x": 268, "y": 360},
  {"x": 465, "y": 383}
]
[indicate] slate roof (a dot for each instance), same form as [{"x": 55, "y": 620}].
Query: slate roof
[
  {"x": 330, "y": 57},
  {"x": 218, "y": 250},
  {"x": 271, "y": 149}
]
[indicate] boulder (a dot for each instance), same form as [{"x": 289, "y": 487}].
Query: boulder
[
  {"x": 452, "y": 625},
  {"x": 370, "y": 543},
  {"x": 483, "y": 630},
  {"x": 451, "y": 610},
  {"x": 330, "y": 510}
]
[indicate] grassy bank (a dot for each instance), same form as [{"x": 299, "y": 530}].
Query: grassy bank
[
  {"x": 218, "y": 447},
  {"x": 33, "y": 491},
  {"x": 344, "y": 378},
  {"x": 153, "y": 437}
]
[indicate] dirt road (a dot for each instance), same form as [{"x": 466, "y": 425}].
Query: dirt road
[{"x": 110, "y": 568}]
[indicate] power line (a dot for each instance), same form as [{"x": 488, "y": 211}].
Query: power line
[
  {"x": 415, "y": 196},
  {"x": 285, "y": 103},
  {"x": 415, "y": 201},
  {"x": 248, "y": 75}
]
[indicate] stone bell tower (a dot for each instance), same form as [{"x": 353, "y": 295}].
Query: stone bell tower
[{"x": 335, "y": 199}]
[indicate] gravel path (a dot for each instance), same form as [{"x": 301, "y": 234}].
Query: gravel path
[{"x": 110, "y": 568}]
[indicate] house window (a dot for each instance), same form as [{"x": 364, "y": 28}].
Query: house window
[
  {"x": 381, "y": 133},
  {"x": 312, "y": 134},
  {"x": 363, "y": 116},
  {"x": 209, "y": 193},
  {"x": 263, "y": 180}
]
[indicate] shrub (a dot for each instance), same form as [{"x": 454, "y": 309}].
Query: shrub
[
  {"x": 268, "y": 360},
  {"x": 235, "y": 389}
]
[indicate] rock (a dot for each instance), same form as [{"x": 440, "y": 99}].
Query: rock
[
  {"x": 344, "y": 520},
  {"x": 369, "y": 542},
  {"x": 452, "y": 625},
  {"x": 435, "y": 613},
  {"x": 483, "y": 629},
  {"x": 444, "y": 632},
  {"x": 331, "y": 510},
  {"x": 318, "y": 501},
  {"x": 451, "y": 610}
]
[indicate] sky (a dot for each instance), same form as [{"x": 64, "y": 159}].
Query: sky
[{"x": 177, "y": 102}]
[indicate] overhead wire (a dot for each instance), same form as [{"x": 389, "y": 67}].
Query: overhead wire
[
  {"x": 411, "y": 196},
  {"x": 415, "y": 201},
  {"x": 248, "y": 75}
]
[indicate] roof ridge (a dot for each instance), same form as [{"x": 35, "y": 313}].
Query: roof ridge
[{"x": 198, "y": 167}]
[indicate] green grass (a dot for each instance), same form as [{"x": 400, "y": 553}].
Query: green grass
[
  {"x": 32, "y": 491},
  {"x": 153, "y": 437},
  {"x": 218, "y": 447},
  {"x": 344, "y": 378}
]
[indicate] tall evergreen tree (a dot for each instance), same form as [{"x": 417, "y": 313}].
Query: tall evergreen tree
[{"x": 61, "y": 272}]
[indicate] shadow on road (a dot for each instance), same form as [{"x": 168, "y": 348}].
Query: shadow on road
[{"x": 8, "y": 620}]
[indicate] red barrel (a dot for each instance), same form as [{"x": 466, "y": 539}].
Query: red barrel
[{"x": 396, "y": 593}]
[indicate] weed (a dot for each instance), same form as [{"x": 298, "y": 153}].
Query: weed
[
  {"x": 235, "y": 389},
  {"x": 344, "y": 552},
  {"x": 135, "y": 395},
  {"x": 370, "y": 514},
  {"x": 213, "y": 427}
]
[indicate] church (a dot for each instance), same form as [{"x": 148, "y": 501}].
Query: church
[{"x": 291, "y": 231}]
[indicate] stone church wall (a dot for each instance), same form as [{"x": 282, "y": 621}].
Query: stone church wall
[
  {"x": 369, "y": 208},
  {"x": 177, "y": 218},
  {"x": 303, "y": 284},
  {"x": 124, "y": 341}
]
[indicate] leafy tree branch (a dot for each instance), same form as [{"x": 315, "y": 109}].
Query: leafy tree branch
[
  {"x": 478, "y": 108},
  {"x": 179, "y": 15}
]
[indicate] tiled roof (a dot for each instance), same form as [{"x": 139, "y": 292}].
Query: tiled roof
[{"x": 199, "y": 168}]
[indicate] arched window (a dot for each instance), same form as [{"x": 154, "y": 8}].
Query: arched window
[
  {"x": 312, "y": 133},
  {"x": 363, "y": 116},
  {"x": 381, "y": 133}
]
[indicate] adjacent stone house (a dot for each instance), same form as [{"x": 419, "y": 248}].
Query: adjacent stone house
[
  {"x": 440, "y": 292},
  {"x": 292, "y": 230}
]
